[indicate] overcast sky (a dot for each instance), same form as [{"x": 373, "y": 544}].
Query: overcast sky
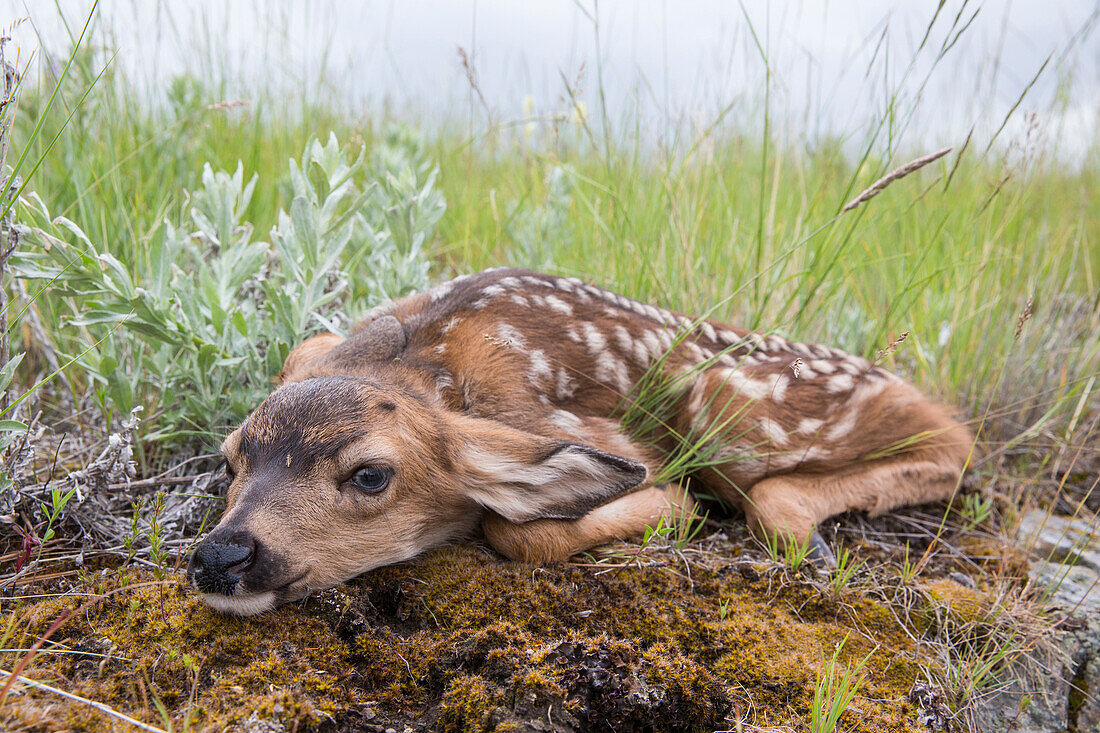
[{"x": 671, "y": 63}]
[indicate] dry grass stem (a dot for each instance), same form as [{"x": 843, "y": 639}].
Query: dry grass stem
[
  {"x": 105, "y": 709},
  {"x": 891, "y": 348},
  {"x": 1024, "y": 318},
  {"x": 897, "y": 174}
]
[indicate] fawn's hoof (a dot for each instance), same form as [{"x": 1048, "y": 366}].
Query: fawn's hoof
[{"x": 820, "y": 552}]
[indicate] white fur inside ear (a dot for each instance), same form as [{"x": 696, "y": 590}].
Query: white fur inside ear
[{"x": 565, "y": 485}]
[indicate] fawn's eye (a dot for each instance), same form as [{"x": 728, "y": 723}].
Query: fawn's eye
[{"x": 371, "y": 479}]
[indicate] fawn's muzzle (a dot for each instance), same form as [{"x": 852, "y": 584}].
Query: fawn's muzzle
[{"x": 218, "y": 564}]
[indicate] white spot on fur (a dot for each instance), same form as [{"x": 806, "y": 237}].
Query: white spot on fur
[
  {"x": 571, "y": 332},
  {"x": 652, "y": 344},
  {"x": 773, "y": 430},
  {"x": 440, "y": 348},
  {"x": 557, "y": 304},
  {"x": 749, "y": 461},
  {"x": 532, "y": 280},
  {"x": 566, "y": 420},
  {"x": 822, "y": 365},
  {"x": 750, "y": 388},
  {"x": 841, "y": 427},
  {"x": 623, "y": 338},
  {"x": 850, "y": 366},
  {"x": 519, "y": 300},
  {"x": 492, "y": 291},
  {"x": 728, "y": 337},
  {"x": 566, "y": 386},
  {"x": 709, "y": 332},
  {"x": 803, "y": 350},
  {"x": 809, "y": 425},
  {"x": 779, "y": 389},
  {"x": 509, "y": 282},
  {"x": 698, "y": 396},
  {"x": 612, "y": 370},
  {"x": 775, "y": 343},
  {"x": 839, "y": 383},
  {"x": 867, "y": 388},
  {"x": 513, "y": 337},
  {"x": 595, "y": 340},
  {"x": 540, "y": 367},
  {"x": 455, "y": 320},
  {"x": 441, "y": 292}
]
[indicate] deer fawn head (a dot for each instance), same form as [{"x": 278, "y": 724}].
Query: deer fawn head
[{"x": 333, "y": 476}]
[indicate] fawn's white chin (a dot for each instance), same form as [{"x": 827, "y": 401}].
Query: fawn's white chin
[{"x": 247, "y": 604}]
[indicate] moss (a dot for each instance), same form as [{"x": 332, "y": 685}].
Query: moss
[
  {"x": 964, "y": 605},
  {"x": 461, "y": 641},
  {"x": 466, "y": 706}
]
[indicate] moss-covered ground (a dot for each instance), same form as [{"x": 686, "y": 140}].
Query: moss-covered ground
[{"x": 461, "y": 640}]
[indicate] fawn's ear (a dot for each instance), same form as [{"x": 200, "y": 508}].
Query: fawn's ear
[
  {"x": 303, "y": 357},
  {"x": 380, "y": 340},
  {"x": 524, "y": 477}
]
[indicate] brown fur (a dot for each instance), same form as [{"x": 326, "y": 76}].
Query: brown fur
[{"x": 493, "y": 399}]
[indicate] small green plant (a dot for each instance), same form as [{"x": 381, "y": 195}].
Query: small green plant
[
  {"x": 909, "y": 569},
  {"x": 723, "y": 608},
  {"x": 786, "y": 550},
  {"x": 845, "y": 571},
  {"x": 975, "y": 510},
  {"x": 835, "y": 691},
  {"x": 58, "y": 501},
  {"x": 129, "y": 542},
  {"x": 158, "y": 554}
]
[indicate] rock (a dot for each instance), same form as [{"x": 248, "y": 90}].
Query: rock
[
  {"x": 1072, "y": 588},
  {"x": 1069, "y": 540},
  {"x": 1064, "y": 697},
  {"x": 256, "y": 724}
]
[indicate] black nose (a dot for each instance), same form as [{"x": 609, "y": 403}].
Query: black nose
[{"x": 217, "y": 564}]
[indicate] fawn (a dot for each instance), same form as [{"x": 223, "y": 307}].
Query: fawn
[{"x": 493, "y": 402}]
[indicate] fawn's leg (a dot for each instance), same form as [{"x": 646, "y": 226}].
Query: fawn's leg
[
  {"x": 790, "y": 506},
  {"x": 551, "y": 540}
]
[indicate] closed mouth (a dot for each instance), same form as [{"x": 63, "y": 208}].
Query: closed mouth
[{"x": 243, "y": 602}]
